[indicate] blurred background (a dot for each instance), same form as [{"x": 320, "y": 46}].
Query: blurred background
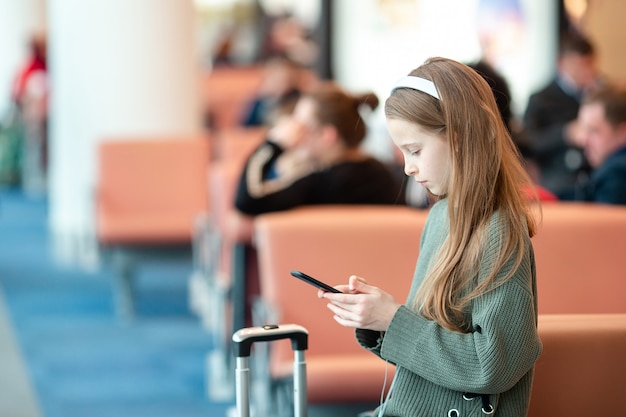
[{"x": 77, "y": 73}]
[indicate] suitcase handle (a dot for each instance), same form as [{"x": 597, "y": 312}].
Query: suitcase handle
[{"x": 245, "y": 338}]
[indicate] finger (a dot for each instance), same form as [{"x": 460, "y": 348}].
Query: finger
[
  {"x": 342, "y": 299},
  {"x": 346, "y": 323},
  {"x": 358, "y": 285},
  {"x": 345, "y": 315},
  {"x": 343, "y": 288},
  {"x": 358, "y": 278},
  {"x": 326, "y": 294},
  {"x": 340, "y": 311}
]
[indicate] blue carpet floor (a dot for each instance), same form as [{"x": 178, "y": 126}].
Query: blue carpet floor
[{"x": 82, "y": 361}]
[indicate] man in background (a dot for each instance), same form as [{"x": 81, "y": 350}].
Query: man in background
[
  {"x": 549, "y": 119},
  {"x": 602, "y": 134}
]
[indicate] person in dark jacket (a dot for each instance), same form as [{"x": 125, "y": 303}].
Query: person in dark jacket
[
  {"x": 314, "y": 157},
  {"x": 550, "y": 115},
  {"x": 602, "y": 127}
]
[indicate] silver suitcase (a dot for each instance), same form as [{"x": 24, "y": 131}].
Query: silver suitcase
[{"x": 243, "y": 340}]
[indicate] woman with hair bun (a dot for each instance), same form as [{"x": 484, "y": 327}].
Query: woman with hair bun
[{"x": 314, "y": 156}]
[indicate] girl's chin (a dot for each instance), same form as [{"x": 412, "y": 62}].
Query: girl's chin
[{"x": 435, "y": 192}]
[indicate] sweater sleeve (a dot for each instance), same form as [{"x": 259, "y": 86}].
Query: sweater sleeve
[{"x": 501, "y": 349}]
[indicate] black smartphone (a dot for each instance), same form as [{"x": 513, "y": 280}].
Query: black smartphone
[{"x": 309, "y": 279}]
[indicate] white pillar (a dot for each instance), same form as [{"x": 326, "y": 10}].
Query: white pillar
[
  {"x": 18, "y": 20},
  {"x": 118, "y": 67}
]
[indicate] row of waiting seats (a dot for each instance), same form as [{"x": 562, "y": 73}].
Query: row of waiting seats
[
  {"x": 580, "y": 277},
  {"x": 152, "y": 192},
  {"x": 168, "y": 195}
]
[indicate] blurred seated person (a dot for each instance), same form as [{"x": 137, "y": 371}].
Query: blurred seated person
[
  {"x": 30, "y": 94},
  {"x": 280, "y": 87},
  {"x": 502, "y": 93},
  {"x": 551, "y": 112},
  {"x": 314, "y": 157},
  {"x": 311, "y": 157},
  {"x": 33, "y": 71},
  {"x": 288, "y": 35},
  {"x": 602, "y": 134}
]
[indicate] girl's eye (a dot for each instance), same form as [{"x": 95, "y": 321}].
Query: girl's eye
[{"x": 415, "y": 153}]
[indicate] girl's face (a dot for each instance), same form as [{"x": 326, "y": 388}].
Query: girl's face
[{"x": 426, "y": 154}]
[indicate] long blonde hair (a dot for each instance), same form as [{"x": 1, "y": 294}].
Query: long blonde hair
[{"x": 487, "y": 176}]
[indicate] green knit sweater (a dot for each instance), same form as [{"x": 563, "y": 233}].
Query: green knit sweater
[{"x": 435, "y": 366}]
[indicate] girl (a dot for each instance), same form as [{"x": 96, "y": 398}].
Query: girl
[{"x": 466, "y": 341}]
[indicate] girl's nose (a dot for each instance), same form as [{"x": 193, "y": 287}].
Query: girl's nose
[{"x": 410, "y": 169}]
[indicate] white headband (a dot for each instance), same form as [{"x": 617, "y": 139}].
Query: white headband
[{"x": 417, "y": 83}]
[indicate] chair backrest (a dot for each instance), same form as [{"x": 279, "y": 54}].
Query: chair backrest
[
  {"x": 228, "y": 91},
  {"x": 223, "y": 179},
  {"x": 578, "y": 250},
  {"x": 582, "y": 371},
  {"x": 378, "y": 243},
  {"x": 151, "y": 189}
]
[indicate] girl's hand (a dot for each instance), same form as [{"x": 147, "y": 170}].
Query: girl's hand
[
  {"x": 346, "y": 289},
  {"x": 361, "y": 306}
]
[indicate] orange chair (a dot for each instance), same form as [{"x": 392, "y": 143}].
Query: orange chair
[
  {"x": 578, "y": 251},
  {"x": 218, "y": 312},
  {"x": 213, "y": 243},
  {"x": 227, "y": 91},
  {"x": 149, "y": 193},
  {"x": 224, "y": 176},
  {"x": 223, "y": 179},
  {"x": 379, "y": 243},
  {"x": 582, "y": 371}
]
